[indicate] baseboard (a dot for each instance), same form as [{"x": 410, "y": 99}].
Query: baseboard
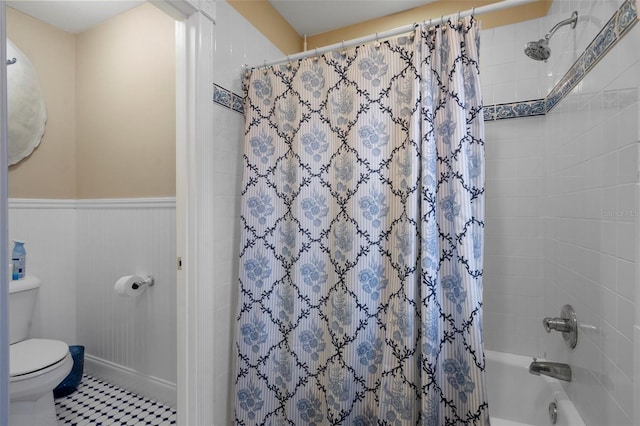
[{"x": 142, "y": 384}]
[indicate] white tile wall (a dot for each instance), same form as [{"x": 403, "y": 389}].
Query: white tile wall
[
  {"x": 236, "y": 43},
  {"x": 592, "y": 233},
  {"x": 575, "y": 216},
  {"x": 513, "y": 272},
  {"x": 508, "y": 75}
]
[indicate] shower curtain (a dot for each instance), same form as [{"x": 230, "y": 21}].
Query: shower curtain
[{"x": 360, "y": 290}]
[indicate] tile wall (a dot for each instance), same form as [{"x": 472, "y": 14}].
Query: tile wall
[
  {"x": 513, "y": 271},
  {"x": 562, "y": 216},
  {"x": 508, "y": 75},
  {"x": 236, "y": 43},
  {"x": 591, "y": 231}
]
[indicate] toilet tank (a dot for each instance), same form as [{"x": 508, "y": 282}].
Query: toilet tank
[{"x": 22, "y": 301}]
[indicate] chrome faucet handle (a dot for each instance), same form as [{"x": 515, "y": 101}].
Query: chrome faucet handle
[
  {"x": 567, "y": 324},
  {"x": 560, "y": 324}
]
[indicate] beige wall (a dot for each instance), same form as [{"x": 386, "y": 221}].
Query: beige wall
[
  {"x": 50, "y": 171},
  {"x": 266, "y": 19},
  {"x": 125, "y": 97},
  {"x": 110, "y": 98}
]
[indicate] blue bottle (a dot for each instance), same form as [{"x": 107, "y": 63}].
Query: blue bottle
[{"x": 18, "y": 258}]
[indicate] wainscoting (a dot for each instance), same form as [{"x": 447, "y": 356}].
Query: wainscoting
[{"x": 79, "y": 248}]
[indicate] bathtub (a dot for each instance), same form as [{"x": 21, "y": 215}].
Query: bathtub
[{"x": 518, "y": 398}]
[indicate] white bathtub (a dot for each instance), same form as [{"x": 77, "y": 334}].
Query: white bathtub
[{"x": 518, "y": 398}]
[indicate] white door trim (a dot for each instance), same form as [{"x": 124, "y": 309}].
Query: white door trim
[{"x": 194, "y": 130}]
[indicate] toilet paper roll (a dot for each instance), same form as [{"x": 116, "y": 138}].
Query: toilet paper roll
[{"x": 125, "y": 286}]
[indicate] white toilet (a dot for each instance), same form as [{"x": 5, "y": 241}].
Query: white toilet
[{"x": 36, "y": 366}]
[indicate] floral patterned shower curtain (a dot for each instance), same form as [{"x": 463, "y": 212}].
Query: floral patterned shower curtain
[{"x": 362, "y": 224}]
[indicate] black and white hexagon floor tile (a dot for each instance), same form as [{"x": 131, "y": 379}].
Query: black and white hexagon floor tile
[{"x": 96, "y": 402}]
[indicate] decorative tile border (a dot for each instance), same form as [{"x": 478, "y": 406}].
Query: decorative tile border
[
  {"x": 227, "y": 99},
  {"x": 514, "y": 110},
  {"x": 612, "y": 32},
  {"x": 619, "y": 24}
]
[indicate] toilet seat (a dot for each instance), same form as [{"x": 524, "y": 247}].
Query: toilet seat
[{"x": 34, "y": 357}]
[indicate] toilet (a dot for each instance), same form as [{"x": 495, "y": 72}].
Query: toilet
[{"x": 36, "y": 366}]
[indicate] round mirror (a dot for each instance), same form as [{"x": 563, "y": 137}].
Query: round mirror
[{"x": 27, "y": 113}]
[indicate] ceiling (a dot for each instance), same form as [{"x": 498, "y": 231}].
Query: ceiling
[
  {"x": 305, "y": 16},
  {"x": 73, "y": 16}
]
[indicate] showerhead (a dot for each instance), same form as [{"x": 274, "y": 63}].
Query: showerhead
[{"x": 539, "y": 50}]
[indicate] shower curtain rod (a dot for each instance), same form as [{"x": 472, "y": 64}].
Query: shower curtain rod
[{"x": 505, "y": 4}]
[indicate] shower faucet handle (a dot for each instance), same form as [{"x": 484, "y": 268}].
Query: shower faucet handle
[
  {"x": 559, "y": 324},
  {"x": 567, "y": 324}
]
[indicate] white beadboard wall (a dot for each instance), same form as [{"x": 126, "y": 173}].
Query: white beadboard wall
[
  {"x": 48, "y": 229},
  {"x": 79, "y": 248},
  {"x": 130, "y": 341}
]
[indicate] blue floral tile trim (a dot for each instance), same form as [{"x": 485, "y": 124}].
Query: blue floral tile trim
[
  {"x": 619, "y": 24},
  {"x": 514, "y": 110},
  {"x": 227, "y": 99},
  {"x": 237, "y": 104}
]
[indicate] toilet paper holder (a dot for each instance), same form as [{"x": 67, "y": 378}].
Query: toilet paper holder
[{"x": 148, "y": 281}]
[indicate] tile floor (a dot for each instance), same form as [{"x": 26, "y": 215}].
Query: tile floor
[{"x": 96, "y": 402}]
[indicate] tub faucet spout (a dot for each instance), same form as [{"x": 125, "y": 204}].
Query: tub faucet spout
[{"x": 556, "y": 370}]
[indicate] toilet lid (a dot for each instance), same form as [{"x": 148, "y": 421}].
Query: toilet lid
[{"x": 35, "y": 354}]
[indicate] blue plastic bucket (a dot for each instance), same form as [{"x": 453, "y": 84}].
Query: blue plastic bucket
[{"x": 72, "y": 381}]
